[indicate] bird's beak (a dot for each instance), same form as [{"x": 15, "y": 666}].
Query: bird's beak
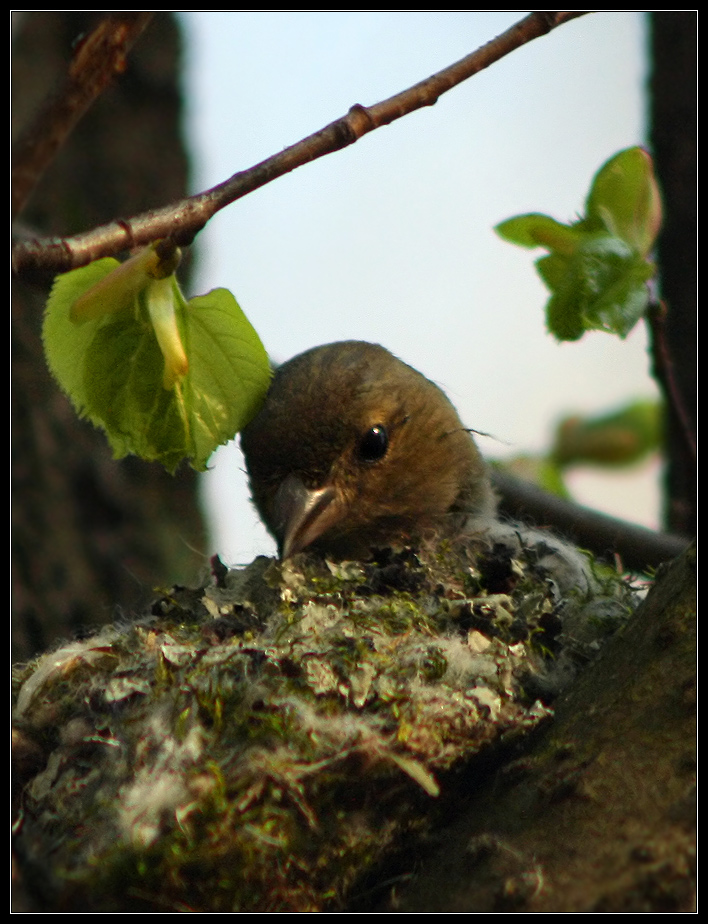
[{"x": 303, "y": 514}]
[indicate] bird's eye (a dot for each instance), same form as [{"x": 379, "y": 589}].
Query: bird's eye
[{"x": 373, "y": 444}]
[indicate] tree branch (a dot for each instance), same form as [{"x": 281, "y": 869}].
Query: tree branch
[
  {"x": 97, "y": 59},
  {"x": 183, "y": 220},
  {"x": 638, "y": 547}
]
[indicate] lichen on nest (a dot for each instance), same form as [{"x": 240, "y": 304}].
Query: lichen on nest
[{"x": 263, "y": 742}]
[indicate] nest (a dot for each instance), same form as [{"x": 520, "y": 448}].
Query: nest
[{"x": 267, "y": 742}]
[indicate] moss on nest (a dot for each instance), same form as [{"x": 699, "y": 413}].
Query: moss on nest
[{"x": 263, "y": 742}]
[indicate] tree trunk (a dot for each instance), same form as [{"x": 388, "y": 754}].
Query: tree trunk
[
  {"x": 673, "y": 140},
  {"x": 91, "y": 536}
]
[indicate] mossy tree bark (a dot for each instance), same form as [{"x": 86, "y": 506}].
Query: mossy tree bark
[{"x": 598, "y": 815}]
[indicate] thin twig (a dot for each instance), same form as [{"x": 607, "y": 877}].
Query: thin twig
[
  {"x": 663, "y": 369},
  {"x": 182, "y": 220},
  {"x": 97, "y": 59}
]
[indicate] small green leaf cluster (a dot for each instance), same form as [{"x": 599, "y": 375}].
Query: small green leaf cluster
[
  {"x": 167, "y": 379},
  {"x": 620, "y": 438},
  {"x": 597, "y": 268}
]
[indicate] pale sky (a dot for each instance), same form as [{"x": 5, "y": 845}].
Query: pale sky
[{"x": 391, "y": 240}]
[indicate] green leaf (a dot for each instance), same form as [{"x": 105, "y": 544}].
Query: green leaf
[
  {"x": 229, "y": 371},
  {"x": 539, "y": 231},
  {"x": 123, "y": 373},
  {"x": 66, "y": 342},
  {"x": 553, "y": 270},
  {"x": 564, "y": 318},
  {"x": 610, "y": 282},
  {"x": 625, "y": 198},
  {"x": 166, "y": 379}
]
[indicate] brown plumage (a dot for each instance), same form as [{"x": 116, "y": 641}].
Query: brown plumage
[{"x": 354, "y": 449}]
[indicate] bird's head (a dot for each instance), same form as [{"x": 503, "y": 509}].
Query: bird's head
[{"x": 354, "y": 449}]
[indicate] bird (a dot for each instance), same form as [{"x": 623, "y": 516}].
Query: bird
[{"x": 354, "y": 450}]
